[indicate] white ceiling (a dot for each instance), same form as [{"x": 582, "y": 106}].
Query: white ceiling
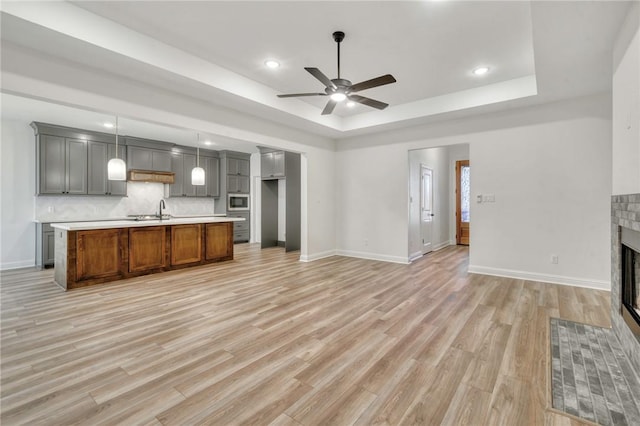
[
  {"x": 215, "y": 51},
  {"x": 414, "y": 41}
]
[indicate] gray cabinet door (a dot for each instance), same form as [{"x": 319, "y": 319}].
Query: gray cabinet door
[
  {"x": 139, "y": 158},
  {"x": 237, "y": 184},
  {"x": 177, "y": 166},
  {"x": 76, "y": 166},
  {"x": 161, "y": 161},
  {"x": 278, "y": 164},
  {"x": 211, "y": 168},
  {"x": 98, "y": 157},
  {"x": 52, "y": 165},
  {"x": 213, "y": 179},
  {"x": 48, "y": 248},
  {"x": 272, "y": 165},
  {"x": 182, "y": 165},
  {"x": 232, "y": 183},
  {"x": 243, "y": 184},
  {"x": 63, "y": 165},
  {"x": 236, "y": 166},
  {"x": 189, "y": 162},
  {"x": 232, "y": 166},
  {"x": 116, "y": 187},
  {"x": 243, "y": 167},
  {"x": 98, "y": 183}
]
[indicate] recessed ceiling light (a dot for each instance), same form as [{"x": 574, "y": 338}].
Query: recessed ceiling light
[
  {"x": 108, "y": 125},
  {"x": 208, "y": 143},
  {"x": 481, "y": 70},
  {"x": 272, "y": 63},
  {"x": 351, "y": 104}
]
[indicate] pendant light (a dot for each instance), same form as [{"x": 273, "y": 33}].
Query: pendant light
[
  {"x": 116, "y": 168},
  {"x": 197, "y": 174}
]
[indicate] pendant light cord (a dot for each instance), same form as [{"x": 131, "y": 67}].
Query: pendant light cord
[
  {"x": 117, "y": 137},
  {"x": 198, "y": 152}
]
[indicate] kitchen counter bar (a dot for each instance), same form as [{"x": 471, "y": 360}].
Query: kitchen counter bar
[
  {"x": 131, "y": 223},
  {"x": 88, "y": 253}
]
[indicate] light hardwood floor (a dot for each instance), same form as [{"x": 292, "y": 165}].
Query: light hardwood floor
[{"x": 265, "y": 339}]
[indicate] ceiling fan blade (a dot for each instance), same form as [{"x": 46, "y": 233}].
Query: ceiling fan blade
[
  {"x": 293, "y": 95},
  {"x": 374, "y": 82},
  {"x": 367, "y": 101},
  {"x": 328, "y": 109},
  {"x": 320, "y": 76}
]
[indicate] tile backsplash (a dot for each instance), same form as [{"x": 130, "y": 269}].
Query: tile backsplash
[{"x": 142, "y": 198}]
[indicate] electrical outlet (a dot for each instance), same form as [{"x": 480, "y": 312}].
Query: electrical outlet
[
  {"x": 51, "y": 209},
  {"x": 554, "y": 259}
]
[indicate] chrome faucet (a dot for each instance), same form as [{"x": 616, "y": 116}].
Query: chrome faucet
[{"x": 162, "y": 206}]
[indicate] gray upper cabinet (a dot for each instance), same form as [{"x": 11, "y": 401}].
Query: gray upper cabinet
[
  {"x": 181, "y": 165},
  {"x": 76, "y": 166},
  {"x": 272, "y": 165},
  {"x": 74, "y": 161},
  {"x": 99, "y": 154},
  {"x": 237, "y": 184},
  {"x": 63, "y": 165},
  {"x": 142, "y": 158},
  {"x": 211, "y": 166},
  {"x": 237, "y": 175},
  {"x": 236, "y": 166}
]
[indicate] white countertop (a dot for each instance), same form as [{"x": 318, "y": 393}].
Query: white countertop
[
  {"x": 127, "y": 218},
  {"x": 80, "y": 226}
]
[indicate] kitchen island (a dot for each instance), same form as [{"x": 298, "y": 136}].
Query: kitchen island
[{"x": 88, "y": 253}]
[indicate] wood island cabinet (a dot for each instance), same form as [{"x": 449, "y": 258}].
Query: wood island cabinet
[
  {"x": 186, "y": 244},
  {"x": 98, "y": 255},
  {"x": 92, "y": 256},
  {"x": 147, "y": 248},
  {"x": 219, "y": 241}
]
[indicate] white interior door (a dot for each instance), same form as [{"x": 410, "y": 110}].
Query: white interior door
[{"x": 426, "y": 207}]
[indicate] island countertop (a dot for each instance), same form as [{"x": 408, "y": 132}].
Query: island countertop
[
  {"x": 131, "y": 223},
  {"x": 89, "y": 253}
]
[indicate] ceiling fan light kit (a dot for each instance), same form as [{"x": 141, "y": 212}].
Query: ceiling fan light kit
[{"x": 339, "y": 89}]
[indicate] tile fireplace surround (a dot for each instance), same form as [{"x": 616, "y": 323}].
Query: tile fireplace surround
[{"x": 625, "y": 212}]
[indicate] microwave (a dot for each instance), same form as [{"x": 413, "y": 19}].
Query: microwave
[{"x": 238, "y": 202}]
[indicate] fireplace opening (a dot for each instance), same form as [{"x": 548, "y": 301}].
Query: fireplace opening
[{"x": 630, "y": 294}]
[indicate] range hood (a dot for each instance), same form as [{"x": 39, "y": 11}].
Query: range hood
[{"x": 150, "y": 176}]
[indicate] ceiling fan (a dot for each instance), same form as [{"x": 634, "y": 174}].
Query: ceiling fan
[{"x": 339, "y": 89}]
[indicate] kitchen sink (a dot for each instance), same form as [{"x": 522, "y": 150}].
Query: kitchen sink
[{"x": 144, "y": 217}]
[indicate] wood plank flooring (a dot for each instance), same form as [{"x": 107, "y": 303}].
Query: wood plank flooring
[{"x": 265, "y": 339}]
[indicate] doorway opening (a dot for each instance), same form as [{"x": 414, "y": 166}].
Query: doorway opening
[
  {"x": 426, "y": 207},
  {"x": 432, "y": 198},
  {"x": 463, "y": 202}
]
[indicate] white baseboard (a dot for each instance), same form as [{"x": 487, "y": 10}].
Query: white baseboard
[
  {"x": 442, "y": 245},
  {"x": 418, "y": 254},
  {"x": 373, "y": 256},
  {"x": 17, "y": 265},
  {"x": 317, "y": 256},
  {"x": 415, "y": 255},
  {"x": 545, "y": 278}
]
